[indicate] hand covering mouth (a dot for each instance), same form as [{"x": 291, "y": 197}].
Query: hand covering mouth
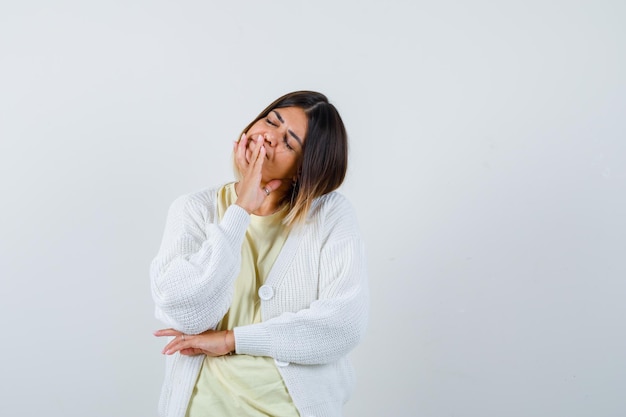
[{"x": 251, "y": 147}]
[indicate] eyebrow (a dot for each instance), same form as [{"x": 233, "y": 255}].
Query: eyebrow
[{"x": 291, "y": 132}]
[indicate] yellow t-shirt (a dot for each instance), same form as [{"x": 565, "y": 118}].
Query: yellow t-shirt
[{"x": 243, "y": 385}]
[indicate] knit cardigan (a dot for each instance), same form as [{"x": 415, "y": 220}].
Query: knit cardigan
[{"x": 314, "y": 303}]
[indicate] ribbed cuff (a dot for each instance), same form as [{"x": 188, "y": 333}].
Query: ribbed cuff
[
  {"x": 234, "y": 223},
  {"x": 253, "y": 339}
]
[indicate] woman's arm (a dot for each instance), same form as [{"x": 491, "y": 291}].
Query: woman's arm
[
  {"x": 334, "y": 323},
  {"x": 323, "y": 333},
  {"x": 192, "y": 276},
  {"x": 199, "y": 260}
]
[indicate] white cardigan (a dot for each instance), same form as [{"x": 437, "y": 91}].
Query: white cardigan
[{"x": 314, "y": 303}]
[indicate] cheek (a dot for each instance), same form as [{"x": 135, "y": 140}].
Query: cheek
[{"x": 287, "y": 163}]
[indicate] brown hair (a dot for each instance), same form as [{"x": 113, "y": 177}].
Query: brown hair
[{"x": 324, "y": 160}]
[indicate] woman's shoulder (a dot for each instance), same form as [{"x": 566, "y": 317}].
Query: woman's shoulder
[
  {"x": 333, "y": 212},
  {"x": 331, "y": 202},
  {"x": 197, "y": 200}
]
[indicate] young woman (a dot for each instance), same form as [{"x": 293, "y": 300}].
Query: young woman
[{"x": 262, "y": 281}]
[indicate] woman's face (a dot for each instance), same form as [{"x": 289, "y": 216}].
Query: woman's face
[{"x": 283, "y": 131}]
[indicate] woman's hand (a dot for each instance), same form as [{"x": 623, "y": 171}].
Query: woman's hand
[
  {"x": 210, "y": 343},
  {"x": 250, "y": 193}
]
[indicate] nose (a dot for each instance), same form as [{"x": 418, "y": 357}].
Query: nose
[{"x": 270, "y": 138}]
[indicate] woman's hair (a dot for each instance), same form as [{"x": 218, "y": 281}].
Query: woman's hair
[{"x": 324, "y": 159}]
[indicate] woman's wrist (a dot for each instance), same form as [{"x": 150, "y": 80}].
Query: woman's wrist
[
  {"x": 237, "y": 203},
  {"x": 229, "y": 342}
]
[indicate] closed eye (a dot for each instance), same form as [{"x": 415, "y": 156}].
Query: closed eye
[
  {"x": 270, "y": 122},
  {"x": 286, "y": 142}
]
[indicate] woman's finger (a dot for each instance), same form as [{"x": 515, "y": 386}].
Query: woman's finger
[
  {"x": 167, "y": 332},
  {"x": 257, "y": 156},
  {"x": 191, "y": 352},
  {"x": 178, "y": 343},
  {"x": 257, "y": 165},
  {"x": 257, "y": 149},
  {"x": 240, "y": 152},
  {"x": 273, "y": 185},
  {"x": 252, "y": 175}
]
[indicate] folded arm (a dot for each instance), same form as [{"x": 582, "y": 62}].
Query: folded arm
[{"x": 193, "y": 274}]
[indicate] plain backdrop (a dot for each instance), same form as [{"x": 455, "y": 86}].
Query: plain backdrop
[{"x": 487, "y": 167}]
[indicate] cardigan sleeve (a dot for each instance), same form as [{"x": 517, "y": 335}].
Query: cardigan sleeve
[
  {"x": 333, "y": 324},
  {"x": 193, "y": 273}
]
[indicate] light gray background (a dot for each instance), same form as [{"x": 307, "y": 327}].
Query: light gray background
[{"x": 488, "y": 168}]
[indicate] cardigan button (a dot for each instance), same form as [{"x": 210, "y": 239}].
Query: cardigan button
[{"x": 266, "y": 292}]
